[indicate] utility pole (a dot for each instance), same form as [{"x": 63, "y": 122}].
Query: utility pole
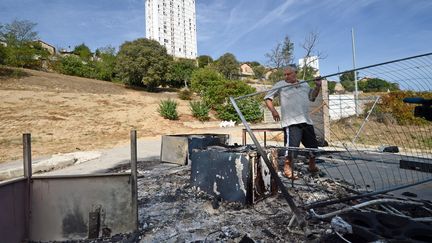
[{"x": 355, "y": 73}]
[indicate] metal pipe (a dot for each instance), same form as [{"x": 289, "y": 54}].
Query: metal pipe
[
  {"x": 355, "y": 73},
  {"x": 134, "y": 183},
  {"x": 27, "y": 160},
  {"x": 368, "y": 203},
  {"x": 285, "y": 193},
  {"x": 331, "y": 202},
  {"x": 365, "y": 120},
  {"x": 338, "y": 73}
]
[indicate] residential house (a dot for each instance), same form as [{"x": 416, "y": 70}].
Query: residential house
[
  {"x": 50, "y": 48},
  {"x": 246, "y": 72}
]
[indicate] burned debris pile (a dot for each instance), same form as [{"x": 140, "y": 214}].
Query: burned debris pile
[{"x": 174, "y": 207}]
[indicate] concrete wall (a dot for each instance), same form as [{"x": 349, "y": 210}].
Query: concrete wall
[
  {"x": 12, "y": 210},
  {"x": 341, "y": 106},
  {"x": 61, "y": 206}
]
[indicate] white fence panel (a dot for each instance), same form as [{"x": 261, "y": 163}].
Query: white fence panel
[{"x": 341, "y": 106}]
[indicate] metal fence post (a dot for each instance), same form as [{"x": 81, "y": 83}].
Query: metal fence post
[
  {"x": 134, "y": 183},
  {"x": 300, "y": 219},
  {"x": 27, "y": 163}
]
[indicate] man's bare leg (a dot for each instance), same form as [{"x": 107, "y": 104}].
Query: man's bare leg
[
  {"x": 312, "y": 165},
  {"x": 288, "y": 171}
]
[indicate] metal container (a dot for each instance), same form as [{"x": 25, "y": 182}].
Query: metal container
[
  {"x": 177, "y": 148},
  {"x": 235, "y": 174}
]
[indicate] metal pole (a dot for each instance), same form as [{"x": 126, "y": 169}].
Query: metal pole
[
  {"x": 335, "y": 201},
  {"x": 355, "y": 72},
  {"x": 27, "y": 160},
  {"x": 134, "y": 183},
  {"x": 365, "y": 120},
  {"x": 285, "y": 193}
]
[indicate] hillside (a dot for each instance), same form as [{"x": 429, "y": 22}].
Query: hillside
[{"x": 66, "y": 114}]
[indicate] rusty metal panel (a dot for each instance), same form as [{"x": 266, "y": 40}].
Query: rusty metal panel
[
  {"x": 61, "y": 206},
  {"x": 177, "y": 148},
  {"x": 12, "y": 213}
]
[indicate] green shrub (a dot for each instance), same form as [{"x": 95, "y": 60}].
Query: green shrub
[
  {"x": 219, "y": 92},
  {"x": 200, "y": 110},
  {"x": 204, "y": 78},
  {"x": 250, "y": 109},
  {"x": 12, "y": 73},
  {"x": 392, "y": 103},
  {"x": 75, "y": 66},
  {"x": 168, "y": 109},
  {"x": 185, "y": 94}
]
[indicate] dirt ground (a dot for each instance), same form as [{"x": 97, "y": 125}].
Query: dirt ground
[{"x": 67, "y": 114}]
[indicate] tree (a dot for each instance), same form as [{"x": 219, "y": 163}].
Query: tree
[
  {"x": 18, "y": 32},
  {"x": 331, "y": 86},
  {"x": 348, "y": 85},
  {"x": 106, "y": 50},
  {"x": 106, "y": 63},
  {"x": 347, "y": 81},
  {"x": 142, "y": 62},
  {"x": 180, "y": 72},
  {"x": 347, "y": 76},
  {"x": 74, "y": 65},
  {"x": 228, "y": 66},
  {"x": 378, "y": 85},
  {"x": 282, "y": 55},
  {"x": 83, "y": 51},
  {"x": 307, "y": 72},
  {"x": 21, "y": 50},
  {"x": 25, "y": 55},
  {"x": 277, "y": 75},
  {"x": 3, "y": 54},
  {"x": 204, "y": 60},
  {"x": 203, "y": 78},
  {"x": 259, "y": 71}
]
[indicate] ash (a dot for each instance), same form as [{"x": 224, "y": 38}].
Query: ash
[{"x": 170, "y": 210}]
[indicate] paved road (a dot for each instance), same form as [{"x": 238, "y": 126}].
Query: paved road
[
  {"x": 148, "y": 149},
  {"x": 90, "y": 162}
]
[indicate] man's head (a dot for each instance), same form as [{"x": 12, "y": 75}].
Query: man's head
[{"x": 290, "y": 74}]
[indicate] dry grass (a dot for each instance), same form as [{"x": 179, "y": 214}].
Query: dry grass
[
  {"x": 376, "y": 133},
  {"x": 66, "y": 114}
]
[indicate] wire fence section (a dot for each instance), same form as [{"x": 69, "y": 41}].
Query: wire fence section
[{"x": 386, "y": 146}]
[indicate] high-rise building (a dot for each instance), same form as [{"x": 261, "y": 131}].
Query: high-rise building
[{"x": 173, "y": 24}]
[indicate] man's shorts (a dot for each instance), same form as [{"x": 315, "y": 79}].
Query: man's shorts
[{"x": 297, "y": 133}]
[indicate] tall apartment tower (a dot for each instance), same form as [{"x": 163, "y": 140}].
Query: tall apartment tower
[{"x": 173, "y": 24}]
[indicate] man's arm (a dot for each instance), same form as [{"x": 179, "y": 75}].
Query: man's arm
[
  {"x": 314, "y": 92},
  {"x": 270, "y": 106}
]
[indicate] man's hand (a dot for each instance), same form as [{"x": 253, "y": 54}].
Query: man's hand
[
  {"x": 275, "y": 115},
  {"x": 318, "y": 81}
]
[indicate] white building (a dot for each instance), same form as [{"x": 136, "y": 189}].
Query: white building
[
  {"x": 173, "y": 24},
  {"x": 311, "y": 61}
]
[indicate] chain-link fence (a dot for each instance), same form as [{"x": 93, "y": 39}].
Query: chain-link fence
[{"x": 383, "y": 143}]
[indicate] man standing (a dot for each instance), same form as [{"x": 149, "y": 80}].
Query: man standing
[{"x": 296, "y": 122}]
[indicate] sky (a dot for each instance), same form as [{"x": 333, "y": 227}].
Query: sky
[{"x": 383, "y": 29}]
